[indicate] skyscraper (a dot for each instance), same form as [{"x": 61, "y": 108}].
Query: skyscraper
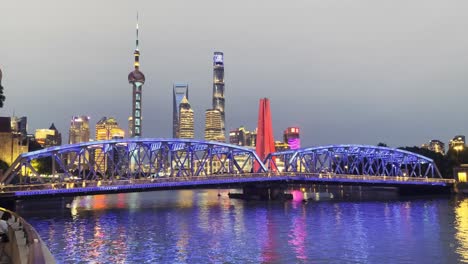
[
  {"x": 186, "y": 122},
  {"x": 106, "y": 128},
  {"x": 213, "y": 129},
  {"x": 137, "y": 79},
  {"x": 291, "y": 137},
  {"x": 242, "y": 137},
  {"x": 265, "y": 141},
  {"x": 179, "y": 91},
  {"x": 79, "y": 130},
  {"x": 218, "y": 87}
]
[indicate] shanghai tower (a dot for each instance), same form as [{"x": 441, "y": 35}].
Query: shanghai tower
[
  {"x": 136, "y": 78},
  {"x": 218, "y": 86}
]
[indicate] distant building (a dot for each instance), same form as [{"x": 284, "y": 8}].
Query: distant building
[
  {"x": 213, "y": 130},
  {"x": 292, "y": 137},
  {"x": 79, "y": 130},
  {"x": 437, "y": 146},
  {"x": 20, "y": 125},
  {"x": 106, "y": 128},
  {"x": 186, "y": 120},
  {"x": 242, "y": 137},
  {"x": 11, "y": 143},
  {"x": 218, "y": 88},
  {"x": 48, "y": 137},
  {"x": 457, "y": 143},
  {"x": 136, "y": 78},
  {"x": 130, "y": 126},
  {"x": 281, "y": 146},
  {"x": 179, "y": 91}
]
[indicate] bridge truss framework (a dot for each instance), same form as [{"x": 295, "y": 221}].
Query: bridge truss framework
[
  {"x": 354, "y": 160},
  {"x": 134, "y": 158}
]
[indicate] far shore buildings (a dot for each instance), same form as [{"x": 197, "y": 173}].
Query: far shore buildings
[
  {"x": 48, "y": 137},
  {"x": 106, "y": 128},
  {"x": 186, "y": 120},
  {"x": 12, "y": 143},
  {"x": 213, "y": 126}
]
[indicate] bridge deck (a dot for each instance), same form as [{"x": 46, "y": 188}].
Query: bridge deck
[{"x": 115, "y": 186}]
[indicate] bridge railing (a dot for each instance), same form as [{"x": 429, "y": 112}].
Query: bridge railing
[
  {"x": 290, "y": 175},
  {"x": 34, "y": 248}
]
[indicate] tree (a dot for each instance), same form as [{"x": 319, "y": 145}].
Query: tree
[
  {"x": 444, "y": 163},
  {"x": 3, "y": 165},
  {"x": 382, "y": 144},
  {"x": 2, "y": 97}
]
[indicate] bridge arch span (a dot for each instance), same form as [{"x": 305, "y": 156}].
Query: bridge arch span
[
  {"x": 133, "y": 158},
  {"x": 354, "y": 160}
]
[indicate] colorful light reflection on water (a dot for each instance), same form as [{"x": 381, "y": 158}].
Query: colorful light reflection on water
[{"x": 197, "y": 226}]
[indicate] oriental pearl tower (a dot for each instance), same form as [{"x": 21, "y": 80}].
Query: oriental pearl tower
[{"x": 136, "y": 78}]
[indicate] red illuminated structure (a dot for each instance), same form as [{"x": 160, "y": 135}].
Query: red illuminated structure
[{"x": 265, "y": 141}]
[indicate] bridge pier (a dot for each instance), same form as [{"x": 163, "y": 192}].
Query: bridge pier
[{"x": 262, "y": 192}]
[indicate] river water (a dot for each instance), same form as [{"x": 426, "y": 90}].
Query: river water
[{"x": 198, "y": 226}]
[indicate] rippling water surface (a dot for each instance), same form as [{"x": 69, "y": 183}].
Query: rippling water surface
[{"x": 197, "y": 226}]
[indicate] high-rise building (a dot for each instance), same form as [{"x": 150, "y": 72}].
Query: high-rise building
[
  {"x": 48, "y": 137},
  {"x": 265, "y": 140},
  {"x": 179, "y": 91},
  {"x": 281, "y": 146},
  {"x": 457, "y": 143},
  {"x": 437, "y": 146},
  {"x": 11, "y": 143},
  {"x": 291, "y": 137},
  {"x": 79, "y": 130},
  {"x": 242, "y": 137},
  {"x": 213, "y": 129},
  {"x": 186, "y": 120},
  {"x": 218, "y": 87},
  {"x": 130, "y": 126},
  {"x": 57, "y": 139},
  {"x": 106, "y": 128},
  {"x": 20, "y": 126},
  {"x": 137, "y": 79}
]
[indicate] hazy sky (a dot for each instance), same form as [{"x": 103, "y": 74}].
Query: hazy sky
[{"x": 345, "y": 71}]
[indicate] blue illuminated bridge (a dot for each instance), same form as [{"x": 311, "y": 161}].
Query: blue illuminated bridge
[{"x": 137, "y": 164}]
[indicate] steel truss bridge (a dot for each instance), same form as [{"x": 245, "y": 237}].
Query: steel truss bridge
[{"x": 135, "y": 164}]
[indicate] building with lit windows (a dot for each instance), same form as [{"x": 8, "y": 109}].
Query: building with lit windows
[
  {"x": 457, "y": 143},
  {"x": 19, "y": 125},
  {"x": 179, "y": 91},
  {"x": 242, "y": 137},
  {"x": 11, "y": 142},
  {"x": 218, "y": 87},
  {"x": 186, "y": 120},
  {"x": 291, "y": 137},
  {"x": 136, "y": 78},
  {"x": 213, "y": 130},
  {"x": 79, "y": 130},
  {"x": 437, "y": 146},
  {"x": 106, "y": 128},
  {"x": 48, "y": 137}
]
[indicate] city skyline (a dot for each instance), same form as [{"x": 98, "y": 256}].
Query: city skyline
[{"x": 400, "y": 80}]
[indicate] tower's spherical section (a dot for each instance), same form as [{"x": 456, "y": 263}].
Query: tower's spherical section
[{"x": 136, "y": 76}]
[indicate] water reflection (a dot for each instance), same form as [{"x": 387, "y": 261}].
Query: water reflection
[
  {"x": 198, "y": 226},
  {"x": 461, "y": 225}
]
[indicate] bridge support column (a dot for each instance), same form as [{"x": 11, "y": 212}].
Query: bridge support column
[{"x": 262, "y": 192}]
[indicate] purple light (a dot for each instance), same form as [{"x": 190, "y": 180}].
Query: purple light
[{"x": 294, "y": 143}]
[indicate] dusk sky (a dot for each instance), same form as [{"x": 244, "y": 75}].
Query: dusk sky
[{"x": 344, "y": 71}]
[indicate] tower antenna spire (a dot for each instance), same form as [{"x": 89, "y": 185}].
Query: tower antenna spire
[{"x": 137, "y": 31}]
